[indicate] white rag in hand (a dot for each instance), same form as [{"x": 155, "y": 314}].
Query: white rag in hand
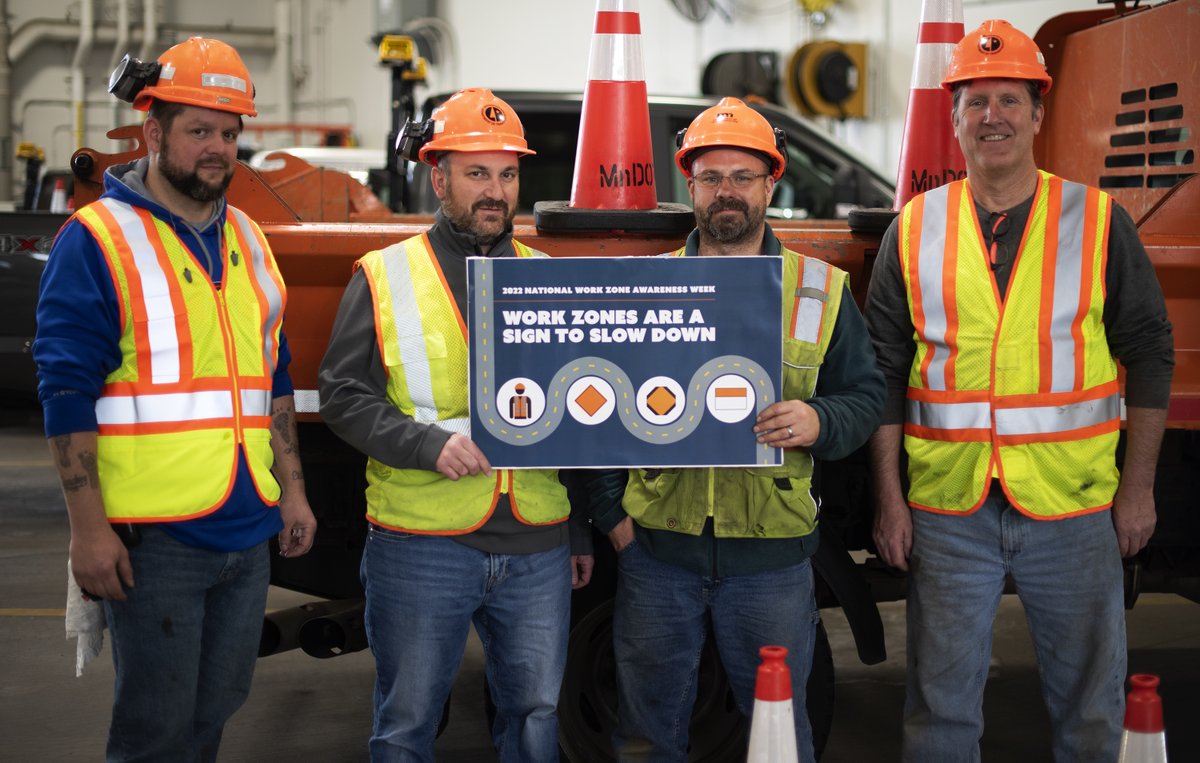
[{"x": 85, "y": 622}]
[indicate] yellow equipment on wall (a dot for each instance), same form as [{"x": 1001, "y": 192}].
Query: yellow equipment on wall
[{"x": 829, "y": 78}]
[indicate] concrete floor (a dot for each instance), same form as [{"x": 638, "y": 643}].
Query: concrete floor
[{"x": 320, "y": 710}]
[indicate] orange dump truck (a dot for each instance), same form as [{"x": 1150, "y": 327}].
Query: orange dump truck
[{"x": 1124, "y": 115}]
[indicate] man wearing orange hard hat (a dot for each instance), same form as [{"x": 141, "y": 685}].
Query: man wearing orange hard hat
[
  {"x": 731, "y": 546},
  {"x": 999, "y": 307},
  {"x": 169, "y": 409},
  {"x": 451, "y": 541}
]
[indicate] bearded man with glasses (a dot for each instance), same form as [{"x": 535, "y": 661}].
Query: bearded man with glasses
[{"x": 731, "y": 547}]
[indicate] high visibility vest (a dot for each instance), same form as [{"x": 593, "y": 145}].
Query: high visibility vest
[
  {"x": 762, "y": 502},
  {"x": 423, "y": 340},
  {"x": 197, "y": 364},
  {"x": 1024, "y": 387}
]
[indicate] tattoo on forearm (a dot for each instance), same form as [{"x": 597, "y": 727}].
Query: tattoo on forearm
[
  {"x": 283, "y": 425},
  {"x": 297, "y": 475},
  {"x": 73, "y": 483},
  {"x": 91, "y": 467},
  {"x": 62, "y": 446}
]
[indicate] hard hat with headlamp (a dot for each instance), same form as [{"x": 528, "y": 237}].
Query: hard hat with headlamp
[
  {"x": 470, "y": 120},
  {"x": 197, "y": 72}
]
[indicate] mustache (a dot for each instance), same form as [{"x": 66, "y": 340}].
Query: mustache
[
  {"x": 496, "y": 204},
  {"x": 720, "y": 205}
]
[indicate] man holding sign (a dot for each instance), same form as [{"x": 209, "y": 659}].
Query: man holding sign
[
  {"x": 734, "y": 544},
  {"x": 452, "y": 542}
]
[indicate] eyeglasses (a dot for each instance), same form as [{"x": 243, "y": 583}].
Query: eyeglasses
[
  {"x": 997, "y": 250},
  {"x": 739, "y": 180}
]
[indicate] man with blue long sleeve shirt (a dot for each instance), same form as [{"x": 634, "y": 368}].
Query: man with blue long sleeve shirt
[{"x": 163, "y": 377}]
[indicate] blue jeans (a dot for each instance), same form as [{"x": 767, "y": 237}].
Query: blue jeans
[
  {"x": 184, "y": 646},
  {"x": 423, "y": 594},
  {"x": 659, "y": 626},
  {"x": 1068, "y": 576}
]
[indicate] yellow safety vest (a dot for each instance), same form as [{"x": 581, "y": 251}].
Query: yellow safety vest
[
  {"x": 1023, "y": 387},
  {"x": 196, "y": 371},
  {"x": 423, "y": 340},
  {"x": 759, "y": 502}
]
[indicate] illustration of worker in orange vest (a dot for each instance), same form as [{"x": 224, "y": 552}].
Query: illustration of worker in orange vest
[{"x": 519, "y": 405}]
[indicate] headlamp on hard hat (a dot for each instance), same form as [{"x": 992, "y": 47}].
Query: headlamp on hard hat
[
  {"x": 412, "y": 136},
  {"x": 131, "y": 76}
]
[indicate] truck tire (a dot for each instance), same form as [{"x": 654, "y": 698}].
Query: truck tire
[{"x": 587, "y": 707}]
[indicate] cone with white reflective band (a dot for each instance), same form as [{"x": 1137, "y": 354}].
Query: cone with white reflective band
[
  {"x": 773, "y": 728},
  {"x": 929, "y": 153},
  {"x": 1144, "y": 740},
  {"x": 614, "y": 160},
  {"x": 58, "y": 199}
]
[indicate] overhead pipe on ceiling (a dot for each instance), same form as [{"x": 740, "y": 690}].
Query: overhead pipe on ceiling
[
  {"x": 149, "y": 31},
  {"x": 283, "y": 58},
  {"x": 7, "y": 149},
  {"x": 38, "y": 31},
  {"x": 120, "y": 48},
  {"x": 83, "y": 49}
]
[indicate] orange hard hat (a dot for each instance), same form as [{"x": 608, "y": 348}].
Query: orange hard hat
[
  {"x": 201, "y": 72},
  {"x": 731, "y": 124},
  {"x": 473, "y": 120},
  {"x": 997, "y": 50}
]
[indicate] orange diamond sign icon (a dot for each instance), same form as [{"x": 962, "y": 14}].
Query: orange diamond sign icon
[
  {"x": 661, "y": 401},
  {"x": 590, "y": 400}
]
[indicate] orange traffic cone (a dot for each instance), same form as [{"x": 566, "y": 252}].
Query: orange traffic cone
[
  {"x": 929, "y": 153},
  {"x": 1144, "y": 740},
  {"x": 58, "y": 200},
  {"x": 614, "y": 160},
  {"x": 773, "y": 729}
]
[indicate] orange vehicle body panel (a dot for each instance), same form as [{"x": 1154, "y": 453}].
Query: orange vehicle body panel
[{"x": 1124, "y": 114}]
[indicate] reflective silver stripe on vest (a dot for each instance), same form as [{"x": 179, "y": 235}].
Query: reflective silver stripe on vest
[
  {"x": 1068, "y": 280},
  {"x": 160, "y": 316},
  {"x": 256, "y": 402},
  {"x": 949, "y": 415},
  {"x": 460, "y": 426},
  {"x": 167, "y": 407},
  {"x": 929, "y": 275},
  {"x": 410, "y": 333},
  {"x": 270, "y": 289},
  {"x": 811, "y": 300},
  {"x": 1057, "y": 418},
  {"x": 307, "y": 400}
]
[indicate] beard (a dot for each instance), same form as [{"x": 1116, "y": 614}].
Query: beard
[
  {"x": 485, "y": 231},
  {"x": 728, "y": 229},
  {"x": 188, "y": 182}
]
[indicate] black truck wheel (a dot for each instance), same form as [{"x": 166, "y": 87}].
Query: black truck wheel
[{"x": 587, "y": 707}]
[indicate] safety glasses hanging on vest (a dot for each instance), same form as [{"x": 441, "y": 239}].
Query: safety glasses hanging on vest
[{"x": 998, "y": 223}]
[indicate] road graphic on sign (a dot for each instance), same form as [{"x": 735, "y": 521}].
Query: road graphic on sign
[{"x": 653, "y": 391}]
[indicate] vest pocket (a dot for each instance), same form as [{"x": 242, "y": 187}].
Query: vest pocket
[
  {"x": 650, "y": 495},
  {"x": 777, "y": 505}
]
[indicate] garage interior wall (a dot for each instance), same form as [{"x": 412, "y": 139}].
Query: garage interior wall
[{"x": 331, "y": 68}]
